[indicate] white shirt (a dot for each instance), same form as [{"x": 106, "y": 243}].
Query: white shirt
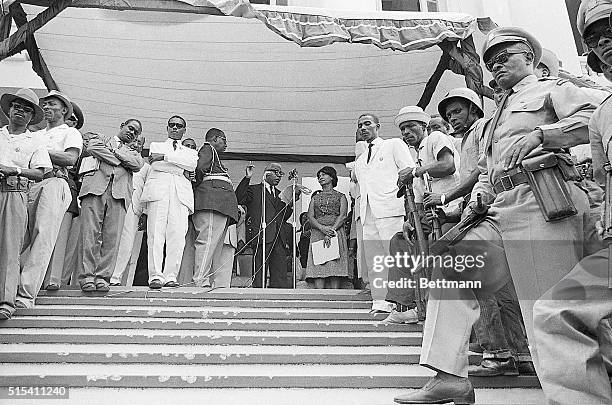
[
  {"x": 60, "y": 138},
  {"x": 23, "y": 151}
]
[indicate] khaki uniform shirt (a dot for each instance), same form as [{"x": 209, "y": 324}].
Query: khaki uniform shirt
[
  {"x": 555, "y": 106},
  {"x": 600, "y": 136}
]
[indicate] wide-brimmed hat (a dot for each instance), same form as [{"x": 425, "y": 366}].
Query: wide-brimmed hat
[
  {"x": 503, "y": 35},
  {"x": 26, "y": 95},
  {"x": 64, "y": 98},
  {"x": 412, "y": 113},
  {"x": 76, "y": 111}
]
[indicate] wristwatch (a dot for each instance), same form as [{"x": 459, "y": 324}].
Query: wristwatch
[{"x": 443, "y": 199}]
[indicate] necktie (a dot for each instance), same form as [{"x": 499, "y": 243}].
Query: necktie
[
  {"x": 495, "y": 120},
  {"x": 369, "y": 152},
  {"x": 174, "y": 144}
]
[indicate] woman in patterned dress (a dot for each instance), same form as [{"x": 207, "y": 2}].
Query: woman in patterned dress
[{"x": 327, "y": 214}]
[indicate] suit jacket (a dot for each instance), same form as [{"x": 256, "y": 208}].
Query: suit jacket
[
  {"x": 250, "y": 195},
  {"x": 378, "y": 177},
  {"x": 118, "y": 166},
  {"x": 168, "y": 174},
  {"x": 211, "y": 194}
]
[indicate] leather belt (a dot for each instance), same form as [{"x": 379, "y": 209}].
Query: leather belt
[
  {"x": 217, "y": 177},
  {"x": 509, "y": 180},
  {"x": 60, "y": 173},
  {"x": 14, "y": 184}
]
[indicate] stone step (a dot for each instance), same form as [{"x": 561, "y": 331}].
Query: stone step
[
  {"x": 120, "y": 300},
  {"x": 233, "y": 376},
  {"x": 206, "y": 337},
  {"x": 144, "y": 311},
  {"x": 38, "y": 322},
  {"x": 206, "y": 354},
  {"x": 250, "y": 294},
  {"x": 281, "y": 396}
]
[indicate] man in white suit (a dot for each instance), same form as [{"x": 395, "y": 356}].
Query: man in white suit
[
  {"x": 168, "y": 198},
  {"x": 381, "y": 212}
]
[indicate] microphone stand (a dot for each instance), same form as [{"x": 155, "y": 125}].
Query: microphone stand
[{"x": 264, "y": 275}]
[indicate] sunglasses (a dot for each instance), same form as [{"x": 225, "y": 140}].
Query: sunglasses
[
  {"x": 501, "y": 58},
  {"x": 25, "y": 108},
  {"x": 176, "y": 125},
  {"x": 278, "y": 173},
  {"x": 592, "y": 40}
]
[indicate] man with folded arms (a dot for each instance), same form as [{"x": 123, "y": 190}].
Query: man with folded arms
[
  {"x": 168, "y": 197},
  {"x": 21, "y": 159},
  {"x": 49, "y": 199},
  {"x": 105, "y": 194}
]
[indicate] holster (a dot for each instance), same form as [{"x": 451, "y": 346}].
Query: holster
[{"x": 547, "y": 175}]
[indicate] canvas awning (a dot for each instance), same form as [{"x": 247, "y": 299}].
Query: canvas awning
[{"x": 232, "y": 67}]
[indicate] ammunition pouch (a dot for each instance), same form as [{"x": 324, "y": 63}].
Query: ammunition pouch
[{"x": 547, "y": 175}]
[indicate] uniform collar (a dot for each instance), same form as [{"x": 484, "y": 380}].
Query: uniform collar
[{"x": 524, "y": 82}]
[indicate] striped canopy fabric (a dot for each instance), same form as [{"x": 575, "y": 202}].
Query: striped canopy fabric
[{"x": 277, "y": 80}]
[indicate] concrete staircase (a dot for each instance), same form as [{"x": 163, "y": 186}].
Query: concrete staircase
[{"x": 134, "y": 345}]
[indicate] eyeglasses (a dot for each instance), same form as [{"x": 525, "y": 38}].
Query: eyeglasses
[
  {"x": 22, "y": 107},
  {"x": 592, "y": 40},
  {"x": 278, "y": 173},
  {"x": 501, "y": 58},
  {"x": 176, "y": 125}
]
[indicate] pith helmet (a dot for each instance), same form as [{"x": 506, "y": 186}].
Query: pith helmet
[{"x": 462, "y": 93}]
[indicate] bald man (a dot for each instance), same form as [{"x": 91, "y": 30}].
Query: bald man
[{"x": 277, "y": 212}]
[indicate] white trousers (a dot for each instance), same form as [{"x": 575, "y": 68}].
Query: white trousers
[
  {"x": 47, "y": 204},
  {"x": 377, "y": 233},
  {"x": 57, "y": 273},
  {"x": 166, "y": 225},
  {"x": 126, "y": 245}
]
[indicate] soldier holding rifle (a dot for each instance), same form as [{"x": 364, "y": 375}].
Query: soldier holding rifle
[
  {"x": 571, "y": 315},
  {"x": 528, "y": 236}
]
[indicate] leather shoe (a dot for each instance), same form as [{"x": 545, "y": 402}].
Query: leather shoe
[
  {"x": 53, "y": 287},
  {"x": 156, "y": 284},
  {"x": 441, "y": 391},
  {"x": 171, "y": 284},
  {"x": 20, "y": 304},
  {"x": 396, "y": 317},
  {"x": 526, "y": 368},
  {"x": 5, "y": 314},
  {"x": 494, "y": 367}
]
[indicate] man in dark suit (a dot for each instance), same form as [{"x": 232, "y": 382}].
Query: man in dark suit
[
  {"x": 215, "y": 209},
  {"x": 105, "y": 194},
  {"x": 277, "y": 212}
]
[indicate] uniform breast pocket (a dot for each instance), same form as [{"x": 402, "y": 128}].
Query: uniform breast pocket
[{"x": 528, "y": 105}]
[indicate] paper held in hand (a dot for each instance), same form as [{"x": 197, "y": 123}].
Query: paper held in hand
[
  {"x": 322, "y": 254},
  {"x": 89, "y": 164}
]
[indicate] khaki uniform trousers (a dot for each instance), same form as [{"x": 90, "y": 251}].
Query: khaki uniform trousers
[
  {"x": 210, "y": 229},
  {"x": 47, "y": 204},
  {"x": 570, "y": 330},
  {"x": 516, "y": 243},
  {"x": 14, "y": 220}
]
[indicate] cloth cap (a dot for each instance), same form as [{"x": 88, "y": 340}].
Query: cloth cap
[
  {"x": 550, "y": 60},
  {"x": 26, "y": 95},
  {"x": 412, "y": 113},
  {"x": 64, "y": 98},
  {"x": 502, "y": 35},
  {"x": 462, "y": 93},
  {"x": 591, "y": 11}
]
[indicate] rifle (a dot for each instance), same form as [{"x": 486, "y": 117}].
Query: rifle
[
  {"x": 437, "y": 228},
  {"x": 476, "y": 215},
  {"x": 413, "y": 212},
  {"x": 607, "y": 234}
]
